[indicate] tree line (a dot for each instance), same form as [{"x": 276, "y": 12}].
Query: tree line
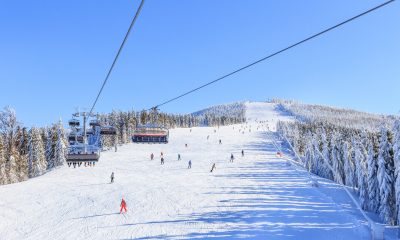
[
  {"x": 30, "y": 152},
  {"x": 366, "y": 160}
]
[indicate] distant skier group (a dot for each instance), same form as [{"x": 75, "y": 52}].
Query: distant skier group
[{"x": 123, "y": 204}]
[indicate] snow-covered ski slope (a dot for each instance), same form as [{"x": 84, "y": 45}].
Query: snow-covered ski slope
[{"x": 258, "y": 196}]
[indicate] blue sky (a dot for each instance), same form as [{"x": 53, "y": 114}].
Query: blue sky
[{"x": 54, "y": 55}]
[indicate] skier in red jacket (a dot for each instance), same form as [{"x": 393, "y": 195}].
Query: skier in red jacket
[{"x": 123, "y": 206}]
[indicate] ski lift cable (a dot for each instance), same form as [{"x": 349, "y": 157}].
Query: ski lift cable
[
  {"x": 275, "y": 53},
  {"x": 118, "y": 53}
]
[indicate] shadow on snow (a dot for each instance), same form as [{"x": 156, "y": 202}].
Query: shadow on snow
[{"x": 285, "y": 207}]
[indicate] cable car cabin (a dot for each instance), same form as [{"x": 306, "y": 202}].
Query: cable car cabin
[
  {"x": 108, "y": 130},
  {"x": 150, "y": 133},
  {"x": 82, "y": 153},
  {"x": 73, "y": 122}
]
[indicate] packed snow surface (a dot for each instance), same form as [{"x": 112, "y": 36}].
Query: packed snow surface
[{"x": 258, "y": 196}]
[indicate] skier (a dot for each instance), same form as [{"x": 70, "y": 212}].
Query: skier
[
  {"x": 112, "y": 177},
  {"x": 213, "y": 167},
  {"x": 242, "y": 153},
  {"x": 232, "y": 157},
  {"x": 151, "y": 156},
  {"x": 208, "y": 136},
  {"x": 162, "y": 161},
  {"x": 179, "y": 157},
  {"x": 220, "y": 141},
  {"x": 190, "y": 164},
  {"x": 185, "y": 144},
  {"x": 123, "y": 206},
  {"x": 162, "y": 154}
]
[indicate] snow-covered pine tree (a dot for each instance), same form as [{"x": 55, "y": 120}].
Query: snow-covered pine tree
[
  {"x": 11, "y": 167},
  {"x": 2, "y": 162},
  {"x": 354, "y": 142},
  {"x": 49, "y": 152},
  {"x": 373, "y": 185},
  {"x": 123, "y": 134},
  {"x": 143, "y": 117},
  {"x": 326, "y": 171},
  {"x": 22, "y": 148},
  {"x": 131, "y": 124},
  {"x": 396, "y": 151},
  {"x": 348, "y": 164},
  {"x": 337, "y": 163},
  {"x": 309, "y": 154},
  {"x": 387, "y": 208},
  {"x": 12, "y": 156},
  {"x": 23, "y": 142},
  {"x": 295, "y": 137},
  {"x": 361, "y": 172},
  {"x": 60, "y": 149},
  {"x": 36, "y": 155},
  {"x": 315, "y": 160},
  {"x": 8, "y": 128}
]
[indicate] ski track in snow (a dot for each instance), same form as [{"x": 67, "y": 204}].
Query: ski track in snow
[{"x": 258, "y": 196}]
